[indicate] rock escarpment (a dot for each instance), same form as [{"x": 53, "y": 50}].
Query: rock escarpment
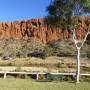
[{"x": 37, "y": 29}]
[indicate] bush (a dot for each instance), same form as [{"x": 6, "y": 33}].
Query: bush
[
  {"x": 47, "y": 52},
  {"x": 43, "y": 53},
  {"x": 6, "y": 58},
  {"x": 1, "y": 54},
  {"x": 60, "y": 77},
  {"x": 88, "y": 54},
  {"x": 55, "y": 77},
  {"x": 62, "y": 48},
  {"x": 36, "y": 54},
  {"x": 14, "y": 48}
]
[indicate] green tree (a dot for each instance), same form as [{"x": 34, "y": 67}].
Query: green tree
[
  {"x": 60, "y": 14},
  {"x": 60, "y": 11}
]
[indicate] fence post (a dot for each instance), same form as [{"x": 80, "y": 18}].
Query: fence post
[
  {"x": 5, "y": 74},
  {"x": 37, "y": 76}
]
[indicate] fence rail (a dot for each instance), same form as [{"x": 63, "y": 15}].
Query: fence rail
[{"x": 37, "y": 74}]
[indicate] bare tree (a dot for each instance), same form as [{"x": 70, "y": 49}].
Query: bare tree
[{"x": 79, "y": 44}]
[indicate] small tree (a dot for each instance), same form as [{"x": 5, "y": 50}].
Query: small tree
[{"x": 79, "y": 44}]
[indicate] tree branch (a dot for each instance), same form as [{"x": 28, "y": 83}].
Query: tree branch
[
  {"x": 75, "y": 39},
  {"x": 88, "y": 32}
]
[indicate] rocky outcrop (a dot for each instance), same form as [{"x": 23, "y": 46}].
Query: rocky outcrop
[{"x": 37, "y": 29}]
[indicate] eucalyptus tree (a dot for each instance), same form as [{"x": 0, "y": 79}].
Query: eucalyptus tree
[{"x": 65, "y": 14}]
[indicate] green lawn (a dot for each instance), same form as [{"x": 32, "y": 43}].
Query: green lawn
[{"x": 27, "y": 84}]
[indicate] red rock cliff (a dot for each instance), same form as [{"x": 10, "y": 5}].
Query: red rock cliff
[{"x": 37, "y": 29}]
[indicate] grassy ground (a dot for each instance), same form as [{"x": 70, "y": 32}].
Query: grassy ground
[{"x": 27, "y": 84}]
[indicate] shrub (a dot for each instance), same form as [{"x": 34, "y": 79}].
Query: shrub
[
  {"x": 88, "y": 54},
  {"x": 62, "y": 48},
  {"x": 1, "y": 54},
  {"x": 55, "y": 77},
  {"x": 60, "y": 77},
  {"x": 43, "y": 53}
]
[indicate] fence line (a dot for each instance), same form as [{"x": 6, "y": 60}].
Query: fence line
[{"x": 37, "y": 74}]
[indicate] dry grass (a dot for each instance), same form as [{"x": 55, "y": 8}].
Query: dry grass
[{"x": 54, "y": 64}]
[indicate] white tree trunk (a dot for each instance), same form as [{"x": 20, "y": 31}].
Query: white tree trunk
[
  {"x": 78, "y": 66},
  {"x": 78, "y": 49}
]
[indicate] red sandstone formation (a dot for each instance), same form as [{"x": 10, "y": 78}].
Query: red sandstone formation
[{"x": 37, "y": 29}]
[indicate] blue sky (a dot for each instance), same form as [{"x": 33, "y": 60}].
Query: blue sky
[{"x": 11, "y": 10}]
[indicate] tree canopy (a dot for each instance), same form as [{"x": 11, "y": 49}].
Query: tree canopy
[{"x": 60, "y": 11}]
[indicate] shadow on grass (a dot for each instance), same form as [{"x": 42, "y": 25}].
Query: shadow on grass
[{"x": 55, "y": 81}]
